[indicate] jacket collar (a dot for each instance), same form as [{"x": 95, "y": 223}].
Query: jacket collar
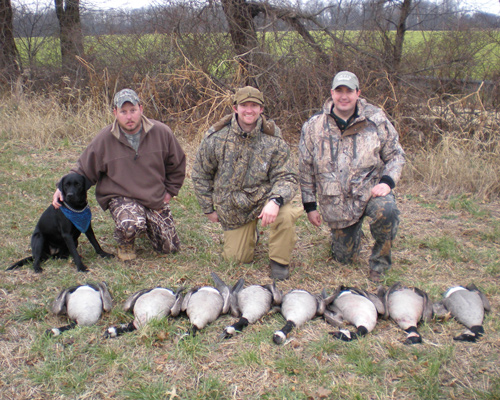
[
  {"x": 146, "y": 127},
  {"x": 240, "y": 132},
  {"x": 356, "y": 124}
]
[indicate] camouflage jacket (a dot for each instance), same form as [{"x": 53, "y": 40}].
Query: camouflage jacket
[
  {"x": 237, "y": 173},
  {"x": 340, "y": 169}
]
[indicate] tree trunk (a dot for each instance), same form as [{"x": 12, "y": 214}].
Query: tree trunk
[
  {"x": 240, "y": 16},
  {"x": 70, "y": 33},
  {"x": 400, "y": 34},
  {"x": 9, "y": 55}
]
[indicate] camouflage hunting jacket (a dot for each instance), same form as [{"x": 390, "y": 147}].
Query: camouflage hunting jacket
[
  {"x": 237, "y": 173},
  {"x": 339, "y": 170}
]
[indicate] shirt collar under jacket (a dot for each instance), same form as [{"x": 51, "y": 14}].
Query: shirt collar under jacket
[
  {"x": 360, "y": 107},
  {"x": 146, "y": 127},
  {"x": 240, "y": 132},
  {"x": 341, "y": 123}
]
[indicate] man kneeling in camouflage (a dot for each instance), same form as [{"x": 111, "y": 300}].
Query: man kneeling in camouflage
[
  {"x": 350, "y": 160},
  {"x": 243, "y": 173}
]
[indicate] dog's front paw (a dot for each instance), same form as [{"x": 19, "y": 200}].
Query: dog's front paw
[{"x": 83, "y": 268}]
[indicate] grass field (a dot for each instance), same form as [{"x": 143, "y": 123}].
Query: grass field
[
  {"x": 441, "y": 243},
  {"x": 471, "y": 54}
]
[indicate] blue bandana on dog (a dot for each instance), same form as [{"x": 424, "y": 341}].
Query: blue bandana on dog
[{"x": 79, "y": 218}]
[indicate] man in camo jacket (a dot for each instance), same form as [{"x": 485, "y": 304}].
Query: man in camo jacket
[
  {"x": 242, "y": 173},
  {"x": 350, "y": 159}
]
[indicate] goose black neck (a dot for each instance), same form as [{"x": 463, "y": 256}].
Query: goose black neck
[
  {"x": 288, "y": 327},
  {"x": 241, "y": 324}
]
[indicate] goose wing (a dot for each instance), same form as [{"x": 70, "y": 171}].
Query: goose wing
[
  {"x": 427, "y": 305},
  {"x": 187, "y": 298},
  {"x": 224, "y": 290},
  {"x": 484, "y": 299},
  {"x": 277, "y": 294},
  {"x": 176, "y": 308},
  {"x": 59, "y": 304},
  {"x": 107, "y": 301},
  {"x": 130, "y": 302}
]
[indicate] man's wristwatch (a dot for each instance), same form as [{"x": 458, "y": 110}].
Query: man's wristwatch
[{"x": 276, "y": 201}]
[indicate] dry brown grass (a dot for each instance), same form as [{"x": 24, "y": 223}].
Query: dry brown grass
[{"x": 456, "y": 167}]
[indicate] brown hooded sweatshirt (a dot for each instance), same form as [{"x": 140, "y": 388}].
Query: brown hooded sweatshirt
[{"x": 158, "y": 166}]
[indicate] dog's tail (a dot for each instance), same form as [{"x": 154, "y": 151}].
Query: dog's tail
[{"x": 20, "y": 263}]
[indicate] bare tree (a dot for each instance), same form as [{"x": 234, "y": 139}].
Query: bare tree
[
  {"x": 70, "y": 33},
  {"x": 241, "y": 14},
  {"x": 9, "y": 55},
  {"x": 405, "y": 10},
  {"x": 240, "y": 17},
  {"x": 35, "y": 28}
]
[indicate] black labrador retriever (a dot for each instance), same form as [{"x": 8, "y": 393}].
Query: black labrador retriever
[{"x": 55, "y": 235}]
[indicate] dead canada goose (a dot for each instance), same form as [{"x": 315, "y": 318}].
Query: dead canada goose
[
  {"x": 406, "y": 306},
  {"x": 356, "y": 307},
  {"x": 148, "y": 304},
  {"x": 251, "y": 304},
  {"x": 83, "y": 304},
  {"x": 297, "y": 307},
  {"x": 203, "y": 305},
  {"x": 467, "y": 305}
]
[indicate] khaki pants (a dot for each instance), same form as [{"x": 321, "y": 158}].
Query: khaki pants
[{"x": 239, "y": 244}]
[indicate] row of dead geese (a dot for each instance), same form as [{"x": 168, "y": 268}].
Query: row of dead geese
[{"x": 407, "y": 306}]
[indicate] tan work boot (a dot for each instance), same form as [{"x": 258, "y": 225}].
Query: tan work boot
[{"x": 126, "y": 252}]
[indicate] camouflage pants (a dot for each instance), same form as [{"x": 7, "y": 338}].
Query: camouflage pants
[
  {"x": 133, "y": 219},
  {"x": 384, "y": 224}
]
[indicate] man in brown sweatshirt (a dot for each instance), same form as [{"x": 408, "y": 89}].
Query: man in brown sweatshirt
[{"x": 137, "y": 165}]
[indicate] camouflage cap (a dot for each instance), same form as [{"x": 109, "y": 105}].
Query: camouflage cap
[
  {"x": 248, "y": 93},
  {"x": 346, "y": 78},
  {"x": 125, "y": 95}
]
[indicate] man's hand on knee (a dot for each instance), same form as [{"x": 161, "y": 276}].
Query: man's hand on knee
[
  {"x": 314, "y": 217},
  {"x": 380, "y": 190},
  {"x": 269, "y": 213},
  {"x": 213, "y": 217}
]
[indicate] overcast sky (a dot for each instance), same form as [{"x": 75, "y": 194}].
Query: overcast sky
[{"x": 490, "y": 6}]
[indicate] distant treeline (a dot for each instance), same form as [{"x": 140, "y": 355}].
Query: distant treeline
[{"x": 196, "y": 17}]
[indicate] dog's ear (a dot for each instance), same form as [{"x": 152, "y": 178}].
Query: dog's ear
[{"x": 60, "y": 185}]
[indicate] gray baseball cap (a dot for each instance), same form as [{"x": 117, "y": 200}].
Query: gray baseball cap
[
  {"x": 126, "y": 95},
  {"x": 346, "y": 78}
]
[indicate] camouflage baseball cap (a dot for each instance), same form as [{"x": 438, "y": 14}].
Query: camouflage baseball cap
[
  {"x": 346, "y": 78},
  {"x": 248, "y": 93},
  {"x": 126, "y": 95}
]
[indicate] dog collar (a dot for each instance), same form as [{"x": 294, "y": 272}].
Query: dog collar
[
  {"x": 79, "y": 218},
  {"x": 75, "y": 211}
]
